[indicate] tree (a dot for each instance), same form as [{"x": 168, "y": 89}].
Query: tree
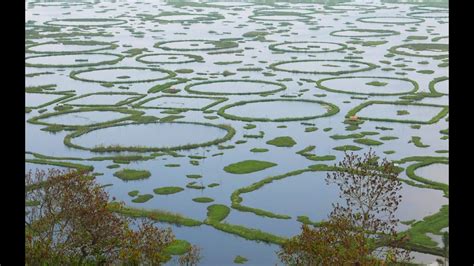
[
  {"x": 354, "y": 231},
  {"x": 67, "y": 222}
]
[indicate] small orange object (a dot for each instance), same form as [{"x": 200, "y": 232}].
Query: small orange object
[{"x": 354, "y": 118}]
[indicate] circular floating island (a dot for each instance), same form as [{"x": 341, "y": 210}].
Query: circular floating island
[
  {"x": 234, "y": 87},
  {"x": 284, "y": 10},
  {"x": 172, "y": 17},
  {"x": 307, "y": 47},
  {"x": 280, "y": 17},
  {"x": 423, "y": 14},
  {"x": 85, "y": 117},
  {"x": 86, "y": 22},
  {"x": 364, "y": 33},
  {"x": 391, "y": 20},
  {"x": 69, "y": 47},
  {"x": 366, "y": 85},
  {"x": 122, "y": 74},
  {"x": 435, "y": 50},
  {"x": 196, "y": 45},
  {"x": 277, "y": 110},
  {"x": 168, "y": 58},
  {"x": 440, "y": 85},
  {"x": 332, "y": 67},
  {"x": 160, "y": 136},
  {"x": 72, "y": 60},
  {"x": 343, "y": 7}
]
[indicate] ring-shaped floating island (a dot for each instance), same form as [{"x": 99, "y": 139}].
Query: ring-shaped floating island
[
  {"x": 62, "y": 3},
  {"x": 431, "y": 112},
  {"x": 353, "y": 7},
  {"x": 86, "y": 22},
  {"x": 368, "y": 85},
  {"x": 364, "y": 33},
  {"x": 72, "y": 60},
  {"x": 84, "y": 116},
  {"x": 180, "y": 102},
  {"x": 242, "y": 87},
  {"x": 391, "y": 20},
  {"x": 266, "y": 11},
  {"x": 121, "y": 75},
  {"x": 196, "y": 45},
  {"x": 69, "y": 47},
  {"x": 436, "y": 82},
  {"x": 169, "y": 58},
  {"x": 278, "y": 110},
  {"x": 331, "y": 67},
  {"x": 184, "y": 136},
  {"x": 434, "y": 50},
  {"x": 428, "y": 14},
  {"x": 307, "y": 47},
  {"x": 178, "y": 17},
  {"x": 283, "y": 16},
  {"x": 103, "y": 99}
]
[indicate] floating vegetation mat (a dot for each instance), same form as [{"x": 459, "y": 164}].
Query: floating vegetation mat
[{"x": 211, "y": 116}]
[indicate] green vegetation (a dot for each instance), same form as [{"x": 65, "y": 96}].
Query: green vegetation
[
  {"x": 419, "y": 241},
  {"x": 331, "y": 110},
  {"x": 142, "y": 198},
  {"x": 285, "y": 141},
  {"x": 420, "y": 47},
  {"x": 203, "y": 199},
  {"x": 417, "y": 141},
  {"x": 117, "y": 59},
  {"x": 218, "y": 45},
  {"x": 278, "y": 87},
  {"x": 178, "y": 108},
  {"x": 194, "y": 176},
  {"x": 369, "y": 66},
  {"x": 305, "y": 220},
  {"x": 248, "y": 166},
  {"x": 82, "y": 131},
  {"x": 217, "y": 213},
  {"x": 131, "y": 174},
  {"x": 259, "y": 150},
  {"x": 347, "y": 148},
  {"x": 133, "y": 193},
  {"x": 376, "y": 82},
  {"x": 388, "y": 138},
  {"x": 157, "y": 215},
  {"x": 167, "y": 190},
  {"x": 75, "y": 75},
  {"x": 313, "y": 44},
  {"x": 443, "y": 112},
  {"x": 167, "y": 85},
  {"x": 177, "y": 247},
  {"x": 369, "y": 142},
  {"x": 310, "y": 129},
  {"x": 370, "y": 33},
  {"x": 240, "y": 260}
]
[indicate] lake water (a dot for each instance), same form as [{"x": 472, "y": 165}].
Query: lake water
[{"x": 312, "y": 42}]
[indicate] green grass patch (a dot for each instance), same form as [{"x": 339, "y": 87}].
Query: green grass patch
[
  {"x": 217, "y": 213},
  {"x": 167, "y": 190},
  {"x": 285, "y": 141},
  {"x": 259, "y": 150},
  {"x": 347, "y": 148},
  {"x": 132, "y": 174},
  {"x": 240, "y": 260},
  {"x": 248, "y": 166},
  {"x": 369, "y": 142},
  {"x": 203, "y": 199},
  {"x": 142, "y": 198}
]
